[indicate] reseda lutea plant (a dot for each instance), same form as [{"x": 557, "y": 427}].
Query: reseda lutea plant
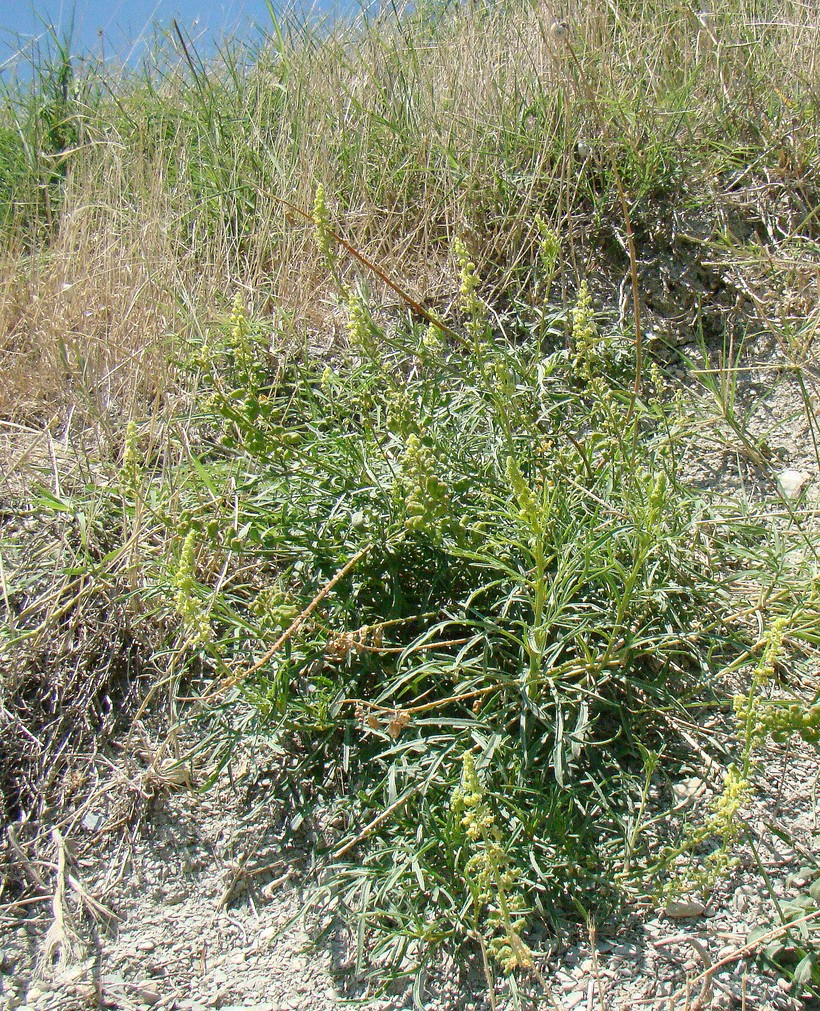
[
  {"x": 533, "y": 589},
  {"x": 491, "y": 881}
]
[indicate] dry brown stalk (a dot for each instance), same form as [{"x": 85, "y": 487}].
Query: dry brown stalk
[
  {"x": 596, "y": 968},
  {"x": 290, "y": 630},
  {"x": 371, "y": 266},
  {"x": 60, "y": 944},
  {"x": 414, "y": 710},
  {"x": 706, "y": 976},
  {"x": 371, "y": 826}
]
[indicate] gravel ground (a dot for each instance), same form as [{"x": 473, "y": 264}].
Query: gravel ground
[{"x": 206, "y": 893}]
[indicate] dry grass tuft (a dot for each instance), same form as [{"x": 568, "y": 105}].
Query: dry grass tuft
[{"x": 465, "y": 121}]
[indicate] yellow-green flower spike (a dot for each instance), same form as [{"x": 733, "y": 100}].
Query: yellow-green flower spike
[
  {"x": 359, "y": 325},
  {"x": 584, "y": 332},
  {"x": 491, "y": 879},
  {"x": 186, "y": 603},
  {"x": 321, "y": 217},
  {"x": 471, "y": 304}
]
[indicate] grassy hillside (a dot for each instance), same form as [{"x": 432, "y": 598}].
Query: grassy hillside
[
  {"x": 134, "y": 202},
  {"x": 341, "y": 402}
]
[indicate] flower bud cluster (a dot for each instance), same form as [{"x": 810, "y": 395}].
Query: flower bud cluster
[
  {"x": 321, "y": 217},
  {"x": 549, "y": 251},
  {"x": 584, "y": 334},
  {"x": 275, "y": 607},
  {"x": 534, "y": 505},
  {"x": 130, "y": 459},
  {"x": 471, "y": 303},
  {"x": 186, "y": 601},
  {"x": 239, "y": 341},
  {"x": 426, "y": 499},
  {"x": 360, "y": 327},
  {"x": 491, "y": 879},
  {"x": 757, "y": 718},
  {"x": 401, "y": 411}
]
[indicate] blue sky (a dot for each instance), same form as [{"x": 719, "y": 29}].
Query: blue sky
[{"x": 125, "y": 24}]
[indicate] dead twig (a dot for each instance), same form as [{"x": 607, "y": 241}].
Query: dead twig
[
  {"x": 596, "y": 968},
  {"x": 365, "y": 832},
  {"x": 749, "y": 947},
  {"x": 60, "y": 945},
  {"x": 290, "y": 630},
  {"x": 365, "y": 262},
  {"x": 705, "y": 978},
  {"x": 488, "y": 972},
  {"x": 98, "y": 912},
  {"x": 35, "y": 876}
]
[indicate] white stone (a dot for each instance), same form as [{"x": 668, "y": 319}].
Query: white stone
[
  {"x": 91, "y": 822},
  {"x": 687, "y": 789},
  {"x": 741, "y": 899},
  {"x": 566, "y": 982},
  {"x": 625, "y": 950},
  {"x": 146, "y": 993},
  {"x": 682, "y": 909},
  {"x": 792, "y": 482}
]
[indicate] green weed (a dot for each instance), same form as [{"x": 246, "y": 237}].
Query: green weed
[{"x": 525, "y": 579}]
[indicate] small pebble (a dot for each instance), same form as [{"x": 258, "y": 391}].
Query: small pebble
[
  {"x": 625, "y": 950},
  {"x": 145, "y": 992},
  {"x": 567, "y": 983},
  {"x": 8, "y": 959},
  {"x": 792, "y": 482},
  {"x": 683, "y": 909},
  {"x": 92, "y": 822}
]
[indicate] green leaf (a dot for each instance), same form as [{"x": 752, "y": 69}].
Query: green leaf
[{"x": 806, "y": 972}]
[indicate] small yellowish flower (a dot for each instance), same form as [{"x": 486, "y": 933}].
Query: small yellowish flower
[
  {"x": 359, "y": 325},
  {"x": 549, "y": 250},
  {"x": 471, "y": 304},
  {"x": 491, "y": 879},
  {"x": 321, "y": 216},
  {"x": 186, "y": 602},
  {"x": 584, "y": 332}
]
